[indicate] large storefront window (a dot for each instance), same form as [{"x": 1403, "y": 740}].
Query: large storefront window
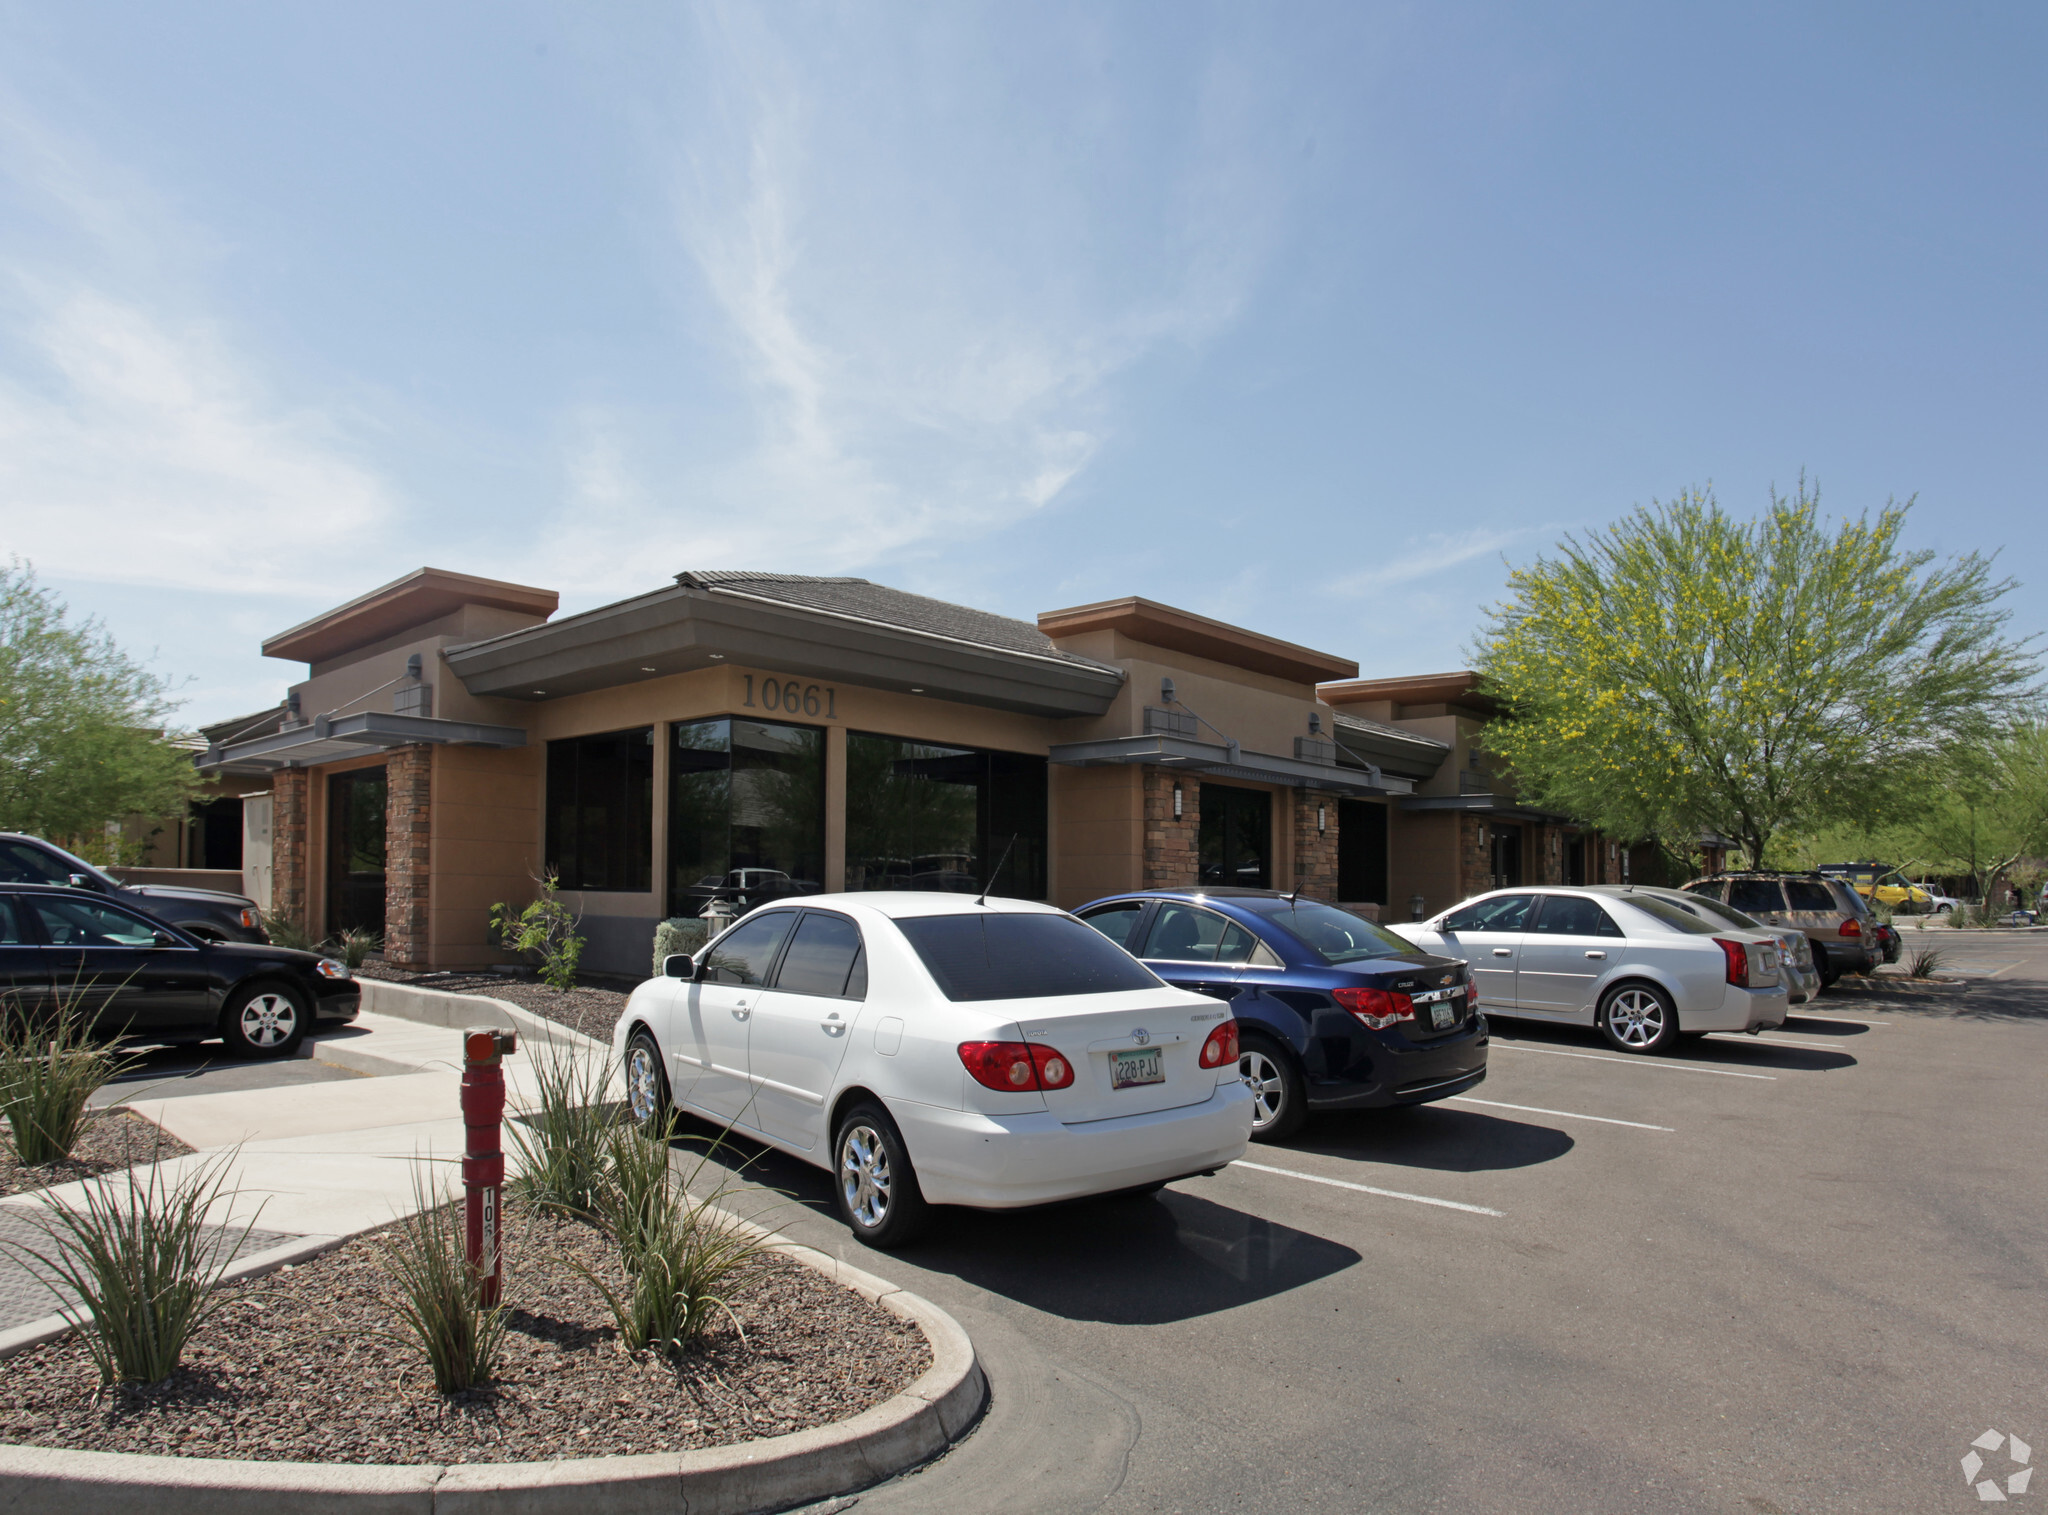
[
  {"x": 746, "y": 813},
  {"x": 920, "y": 816},
  {"x": 600, "y": 817},
  {"x": 1237, "y": 836}
]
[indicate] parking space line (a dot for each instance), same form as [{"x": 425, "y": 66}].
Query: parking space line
[
  {"x": 1633, "y": 1062},
  {"x": 1345, "y": 1183},
  {"x": 1605, "y": 1120}
]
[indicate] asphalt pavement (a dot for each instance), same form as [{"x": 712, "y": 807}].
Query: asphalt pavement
[{"x": 1797, "y": 1272}]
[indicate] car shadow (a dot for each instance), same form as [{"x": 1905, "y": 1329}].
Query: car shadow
[
  {"x": 1122, "y": 1260},
  {"x": 1445, "y": 1138},
  {"x": 1813, "y": 1025},
  {"x": 1748, "y": 1053}
]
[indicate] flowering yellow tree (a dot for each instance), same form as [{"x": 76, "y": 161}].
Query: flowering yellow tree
[{"x": 1683, "y": 671}]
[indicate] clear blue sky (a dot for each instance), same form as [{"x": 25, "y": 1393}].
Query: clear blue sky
[{"x": 1300, "y": 315}]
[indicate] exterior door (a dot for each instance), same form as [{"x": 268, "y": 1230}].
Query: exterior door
[
  {"x": 1570, "y": 944},
  {"x": 708, "y": 1049},
  {"x": 800, "y": 1028},
  {"x": 1237, "y": 836},
  {"x": 106, "y": 959},
  {"x": 1488, "y": 934},
  {"x": 355, "y": 850},
  {"x": 1193, "y": 948}
]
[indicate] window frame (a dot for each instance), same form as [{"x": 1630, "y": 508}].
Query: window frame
[
  {"x": 858, "y": 961},
  {"x": 1534, "y": 925}
]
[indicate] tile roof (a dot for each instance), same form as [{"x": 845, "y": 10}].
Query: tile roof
[{"x": 864, "y": 600}]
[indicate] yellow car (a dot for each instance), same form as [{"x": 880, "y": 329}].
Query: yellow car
[{"x": 1896, "y": 894}]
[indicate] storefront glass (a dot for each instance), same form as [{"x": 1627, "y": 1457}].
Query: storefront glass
[
  {"x": 1237, "y": 836},
  {"x": 919, "y": 816},
  {"x": 746, "y": 813},
  {"x": 600, "y": 818},
  {"x": 355, "y": 850}
]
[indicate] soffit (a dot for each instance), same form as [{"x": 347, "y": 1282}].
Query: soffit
[
  {"x": 1457, "y": 688},
  {"x": 421, "y": 596}
]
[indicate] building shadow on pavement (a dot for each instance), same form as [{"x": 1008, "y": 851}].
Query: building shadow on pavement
[{"x": 1447, "y": 1138}]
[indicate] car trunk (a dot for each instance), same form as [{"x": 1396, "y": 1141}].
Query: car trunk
[{"x": 1151, "y": 1043}]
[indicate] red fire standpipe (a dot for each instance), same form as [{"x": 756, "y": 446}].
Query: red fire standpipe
[{"x": 483, "y": 1158}]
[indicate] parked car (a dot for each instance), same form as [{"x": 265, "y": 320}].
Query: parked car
[
  {"x": 1887, "y": 940},
  {"x": 1638, "y": 967},
  {"x": 205, "y": 913},
  {"x": 748, "y": 887},
  {"x": 1795, "y": 952},
  {"x": 1333, "y": 1011},
  {"x": 1836, "y": 919},
  {"x": 148, "y": 980},
  {"x": 934, "y": 1049}
]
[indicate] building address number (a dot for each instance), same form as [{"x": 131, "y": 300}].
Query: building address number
[{"x": 793, "y": 697}]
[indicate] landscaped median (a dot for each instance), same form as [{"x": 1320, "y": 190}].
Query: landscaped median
[{"x": 654, "y": 1349}]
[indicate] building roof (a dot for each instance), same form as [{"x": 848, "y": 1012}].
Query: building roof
[
  {"x": 1460, "y": 687},
  {"x": 1177, "y": 630},
  {"x": 423, "y": 595}
]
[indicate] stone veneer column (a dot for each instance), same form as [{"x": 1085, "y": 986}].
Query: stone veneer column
[
  {"x": 290, "y": 797},
  {"x": 408, "y": 818},
  {"x": 1475, "y": 858},
  {"x": 1315, "y": 853},
  {"x": 1173, "y": 848}
]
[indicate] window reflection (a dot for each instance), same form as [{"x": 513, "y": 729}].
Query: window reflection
[
  {"x": 746, "y": 813},
  {"x": 920, "y": 816}
]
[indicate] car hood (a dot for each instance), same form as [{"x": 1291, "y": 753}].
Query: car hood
[
  {"x": 213, "y": 897},
  {"x": 251, "y": 951}
]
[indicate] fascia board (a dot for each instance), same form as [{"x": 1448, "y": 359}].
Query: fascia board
[{"x": 1213, "y": 757}]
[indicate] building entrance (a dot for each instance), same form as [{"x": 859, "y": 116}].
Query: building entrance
[
  {"x": 1507, "y": 857},
  {"x": 355, "y": 851},
  {"x": 1237, "y": 837}
]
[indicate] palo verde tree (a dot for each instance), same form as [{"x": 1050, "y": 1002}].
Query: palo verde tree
[
  {"x": 1991, "y": 813},
  {"x": 1683, "y": 671},
  {"x": 81, "y": 723}
]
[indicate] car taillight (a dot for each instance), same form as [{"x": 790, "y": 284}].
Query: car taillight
[
  {"x": 1738, "y": 961},
  {"x": 1378, "y": 1008},
  {"x": 1013, "y": 1067},
  {"x": 1220, "y": 1050},
  {"x": 1850, "y": 926}
]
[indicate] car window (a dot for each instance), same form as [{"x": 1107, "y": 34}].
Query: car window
[
  {"x": 1502, "y": 912},
  {"x": 1115, "y": 921},
  {"x": 1671, "y": 915},
  {"x": 1185, "y": 934},
  {"x": 1810, "y": 894},
  {"x": 1714, "y": 910},
  {"x": 1713, "y": 889},
  {"x": 1337, "y": 936},
  {"x": 23, "y": 864},
  {"x": 88, "y": 923},
  {"x": 821, "y": 956},
  {"x": 1573, "y": 915},
  {"x": 745, "y": 953},
  {"x": 10, "y": 925},
  {"x": 1005, "y": 954},
  {"x": 1755, "y": 896}
]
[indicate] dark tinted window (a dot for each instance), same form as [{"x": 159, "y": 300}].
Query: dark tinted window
[
  {"x": 1504, "y": 912},
  {"x": 1755, "y": 896},
  {"x": 23, "y": 864},
  {"x": 1000, "y": 955},
  {"x": 1674, "y": 916},
  {"x": 600, "y": 819},
  {"x": 1714, "y": 889},
  {"x": 946, "y": 819},
  {"x": 821, "y": 956},
  {"x": 744, "y": 954},
  {"x": 1808, "y": 894},
  {"x": 88, "y": 923},
  {"x": 10, "y": 925},
  {"x": 1573, "y": 915},
  {"x": 1336, "y": 935},
  {"x": 1116, "y": 921}
]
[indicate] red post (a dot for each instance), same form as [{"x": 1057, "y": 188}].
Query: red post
[{"x": 483, "y": 1158}]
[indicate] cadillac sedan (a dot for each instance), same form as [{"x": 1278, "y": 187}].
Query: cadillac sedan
[{"x": 937, "y": 1049}]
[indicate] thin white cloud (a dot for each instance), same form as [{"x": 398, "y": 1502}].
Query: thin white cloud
[{"x": 1426, "y": 556}]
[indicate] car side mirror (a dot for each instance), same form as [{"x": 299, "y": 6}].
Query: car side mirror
[
  {"x": 81, "y": 881},
  {"x": 164, "y": 939},
  {"x": 679, "y": 965}
]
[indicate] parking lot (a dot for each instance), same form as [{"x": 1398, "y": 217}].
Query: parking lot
[{"x": 1797, "y": 1272}]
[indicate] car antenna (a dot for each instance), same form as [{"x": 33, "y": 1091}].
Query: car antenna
[{"x": 982, "y": 899}]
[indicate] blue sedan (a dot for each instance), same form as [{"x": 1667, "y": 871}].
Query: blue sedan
[{"x": 1334, "y": 1013}]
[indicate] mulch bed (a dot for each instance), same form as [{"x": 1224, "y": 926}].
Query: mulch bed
[
  {"x": 299, "y": 1366},
  {"x": 589, "y": 1008},
  {"x": 113, "y": 1139}
]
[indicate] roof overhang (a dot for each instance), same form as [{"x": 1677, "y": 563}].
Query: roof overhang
[
  {"x": 421, "y": 596},
  {"x": 1457, "y": 688},
  {"x": 330, "y": 739},
  {"x": 1413, "y": 757},
  {"x": 1159, "y": 625},
  {"x": 1216, "y": 760},
  {"x": 683, "y": 628},
  {"x": 1486, "y": 804}
]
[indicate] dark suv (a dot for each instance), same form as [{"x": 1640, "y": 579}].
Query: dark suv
[
  {"x": 1834, "y": 917},
  {"x": 1333, "y": 1012},
  {"x": 205, "y": 913}
]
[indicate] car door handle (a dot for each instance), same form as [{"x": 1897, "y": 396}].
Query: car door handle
[
  {"x": 1600, "y": 955},
  {"x": 1503, "y": 952},
  {"x": 832, "y": 1023}
]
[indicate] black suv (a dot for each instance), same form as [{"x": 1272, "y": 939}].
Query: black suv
[{"x": 208, "y": 914}]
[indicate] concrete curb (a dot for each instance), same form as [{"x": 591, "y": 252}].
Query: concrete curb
[{"x": 444, "y": 1007}]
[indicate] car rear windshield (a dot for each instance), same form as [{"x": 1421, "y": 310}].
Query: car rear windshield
[
  {"x": 1336, "y": 936},
  {"x": 1006, "y": 955},
  {"x": 1806, "y": 894},
  {"x": 1712, "y": 909},
  {"x": 1674, "y": 916}
]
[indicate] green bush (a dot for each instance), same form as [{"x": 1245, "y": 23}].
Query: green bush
[
  {"x": 355, "y": 945},
  {"x": 440, "y": 1296},
  {"x": 562, "y": 1141},
  {"x": 285, "y": 932},
  {"x": 546, "y": 927},
  {"x": 678, "y": 933},
  {"x": 50, "y": 1068}
]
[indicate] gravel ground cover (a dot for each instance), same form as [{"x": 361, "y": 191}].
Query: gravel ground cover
[
  {"x": 588, "y": 1008},
  {"x": 113, "y": 1139},
  {"x": 304, "y": 1366}
]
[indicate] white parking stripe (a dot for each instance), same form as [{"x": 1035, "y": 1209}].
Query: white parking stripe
[
  {"x": 1605, "y": 1120},
  {"x": 1633, "y": 1062},
  {"x": 1343, "y": 1183}
]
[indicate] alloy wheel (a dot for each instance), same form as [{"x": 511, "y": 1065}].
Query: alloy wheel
[
  {"x": 643, "y": 1088},
  {"x": 268, "y": 1020},
  {"x": 864, "y": 1175},
  {"x": 1637, "y": 1017},
  {"x": 1269, "y": 1092}
]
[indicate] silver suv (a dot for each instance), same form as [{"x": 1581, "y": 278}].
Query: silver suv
[{"x": 1832, "y": 916}]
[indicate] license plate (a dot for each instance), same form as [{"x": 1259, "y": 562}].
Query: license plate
[
  {"x": 1443, "y": 1014},
  {"x": 1127, "y": 1070}
]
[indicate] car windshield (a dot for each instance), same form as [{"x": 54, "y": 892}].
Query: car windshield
[
  {"x": 1004, "y": 954},
  {"x": 1336, "y": 936},
  {"x": 1677, "y": 918}
]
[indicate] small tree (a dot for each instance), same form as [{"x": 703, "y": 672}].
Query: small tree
[
  {"x": 81, "y": 722},
  {"x": 546, "y": 927},
  {"x": 1990, "y": 815},
  {"x": 1683, "y": 672}
]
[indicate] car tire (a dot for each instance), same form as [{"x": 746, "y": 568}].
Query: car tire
[
  {"x": 874, "y": 1185},
  {"x": 1828, "y": 976},
  {"x": 264, "y": 1020},
  {"x": 1279, "y": 1093},
  {"x": 647, "y": 1094},
  {"x": 1638, "y": 1017}
]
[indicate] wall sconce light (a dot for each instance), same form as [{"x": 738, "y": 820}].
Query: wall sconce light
[
  {"x": 1315, "y": 723},
  {"x": 1322, "y": 819},
  {"x": 1176, "y": 802},
  {"x": 1166, "y": 691}
]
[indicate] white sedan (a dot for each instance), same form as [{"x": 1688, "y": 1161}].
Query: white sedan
[
  {"x": 1639, "y": 968},
  {"x": 931, "y": 1049}
]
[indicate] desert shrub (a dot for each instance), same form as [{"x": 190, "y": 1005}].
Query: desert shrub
[
  {"x": 676, "y": 934},
  {"x": 547, "y": 928},
  {"x": 355, "y": 945},
  {"x": 562, "y": 1139},
  {"x": 285, "y": 932},
  {"x": 50, "y": 1068},
  {"x": 440, "y": 1296}
]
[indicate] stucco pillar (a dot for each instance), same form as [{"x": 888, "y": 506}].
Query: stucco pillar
[
  {"x": 291, "y": 798},
  {"x": 1315, "y": 852},
  {"x": 408, "y": 823},
  {"x": 1173, "y": 848},
  {"x": 835, "y": 809}
]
